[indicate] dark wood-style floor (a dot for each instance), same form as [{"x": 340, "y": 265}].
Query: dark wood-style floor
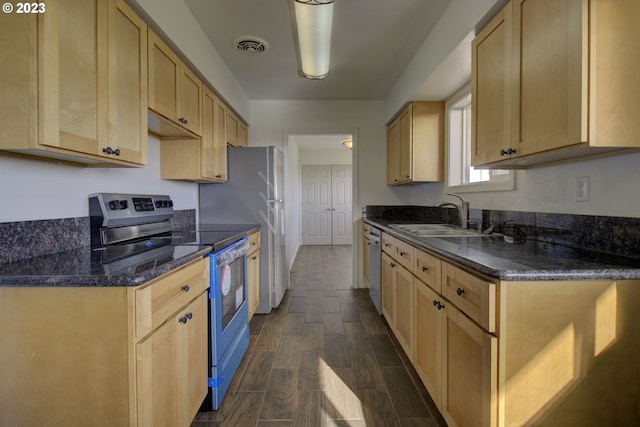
[{"x": 323, "y": 358}]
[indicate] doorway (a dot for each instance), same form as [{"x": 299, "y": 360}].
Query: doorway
[{"x": 326, "y": 204}]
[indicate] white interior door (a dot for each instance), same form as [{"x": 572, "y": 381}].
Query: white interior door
[
  {"x": 316, "y": 205},
  {"x": 326, "y": 205},
  {"x": 341, "y": 204}
]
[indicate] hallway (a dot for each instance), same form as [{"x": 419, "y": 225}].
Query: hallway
[{"x": 323, "y": 358}]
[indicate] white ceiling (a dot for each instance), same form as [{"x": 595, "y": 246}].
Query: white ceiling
[{"x": 373, "y": 42}]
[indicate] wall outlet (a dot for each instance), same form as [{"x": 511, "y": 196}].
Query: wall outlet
[{"x": 582, "y": 189}]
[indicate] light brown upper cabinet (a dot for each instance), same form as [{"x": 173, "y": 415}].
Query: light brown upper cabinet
[
  {"x": 175, "y": 92},
  {"x": 415, "y": 144},
  {"x": 237, "y": 132},
  {"x": 553, "y": 81},
  {"x": 74, "y": 83},
  {"x": 203, "y": 159}
]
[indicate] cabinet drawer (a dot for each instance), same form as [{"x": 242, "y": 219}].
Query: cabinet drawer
[
  {"x": 474, "y": 296},
  {"x": 254, "y": 241},
  {"x": 388, "y": 244},
  {"x": 365, "y": 228},
  {"x": 403, "y": 253},
  {"x": 158, "y": 300},
  {"x": 428, "y": 269}
]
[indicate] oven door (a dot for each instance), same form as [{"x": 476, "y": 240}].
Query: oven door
[{"x": 228, "y": 297}]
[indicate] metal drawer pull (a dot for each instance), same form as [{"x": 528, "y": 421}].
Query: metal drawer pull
[
  {"x": 392, "y": 265},
  {"x": 185, "y": 288},
  {"x": 402, "y": 253},
  {"x": 424, "y": 268},
  {"x": 438, "y": 304},
  {"x": 184, "y": 319},
  {"x": 460, "y": 291}
]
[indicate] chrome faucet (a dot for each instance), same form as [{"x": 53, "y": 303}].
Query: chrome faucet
[{"x": 463, "y": 209}]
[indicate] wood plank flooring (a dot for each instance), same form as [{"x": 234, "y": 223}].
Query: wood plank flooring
[{"x": 323, "y": 358}]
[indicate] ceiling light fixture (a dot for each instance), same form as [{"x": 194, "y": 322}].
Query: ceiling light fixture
[
  {"x": 313, "y": 21},
  {"x": 348, "y": 143}
]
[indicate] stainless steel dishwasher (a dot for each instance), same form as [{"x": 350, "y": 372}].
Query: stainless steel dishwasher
[{"x": 375, "y": 256}]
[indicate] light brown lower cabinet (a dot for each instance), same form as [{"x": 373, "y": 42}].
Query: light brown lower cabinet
[
  {"x": 525, "y": 353},
  {"x": 105, "y": 356},
  {"x": 253, "y": 272}
]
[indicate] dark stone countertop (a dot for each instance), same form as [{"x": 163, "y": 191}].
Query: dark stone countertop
[
  {"x": 531, "y": 260},
  {"x": 83, "y": 267}
]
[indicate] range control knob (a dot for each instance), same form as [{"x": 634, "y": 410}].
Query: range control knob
[
  {"x": 164, "y": 203},
  {"x": 115, "y": 205}
]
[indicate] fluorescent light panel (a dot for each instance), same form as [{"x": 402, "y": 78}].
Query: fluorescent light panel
[{"x": 314, "y": 19}]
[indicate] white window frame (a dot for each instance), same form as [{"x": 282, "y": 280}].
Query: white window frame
[{"x": 458, "y": 158}]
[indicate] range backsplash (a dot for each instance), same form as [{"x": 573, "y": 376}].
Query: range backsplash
[
  {"x": 28, "y": 239},
  {"x": 618, "y": 235}
]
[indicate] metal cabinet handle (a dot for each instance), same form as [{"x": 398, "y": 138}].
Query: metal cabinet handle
[
  {"x": 438, "y": 304},
  {"x": 185, "y": 288},
  {"x": 460, "y": 292},
  {"x": 424, "y": 268},
  {"x": 392, "y": 265},
  {"x": 254, "y": 257},
  {"x": 184, "y": 319}
]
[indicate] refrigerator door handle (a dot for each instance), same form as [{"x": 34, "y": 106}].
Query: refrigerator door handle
[{"x": 274, "y": 201}]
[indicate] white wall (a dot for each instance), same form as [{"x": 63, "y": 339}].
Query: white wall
[
  {"x": 460, "y": 17},
  {"x": 292, "y": 202},
  {"x": 614, "y": 183},
  {"x": 325, "y": 157},
  {"x": 34, "y": 190}
]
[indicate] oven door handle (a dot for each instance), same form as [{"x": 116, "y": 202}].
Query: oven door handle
[{"x": 229, "y": 254}]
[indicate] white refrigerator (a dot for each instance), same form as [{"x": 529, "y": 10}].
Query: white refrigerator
[{"x": 254, "y": 194}]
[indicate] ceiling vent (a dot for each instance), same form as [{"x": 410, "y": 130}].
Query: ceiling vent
[{"x": 250, "y": 45}]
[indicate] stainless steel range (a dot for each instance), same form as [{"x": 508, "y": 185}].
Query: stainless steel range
[{"x": 131, "y": 232}]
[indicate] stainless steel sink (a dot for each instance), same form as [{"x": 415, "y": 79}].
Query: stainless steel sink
[{"x": 436, "y": 230}]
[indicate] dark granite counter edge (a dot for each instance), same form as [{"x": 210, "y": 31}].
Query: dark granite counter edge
[
  {"x": 507, "y": 275},
  {"x": 100, "y": 281}
]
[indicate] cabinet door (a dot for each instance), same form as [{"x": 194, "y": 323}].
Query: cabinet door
[
  {"x": 387, "y": 288},
  {"x": 405, "y": 136},
  {"x": 214, "y": 146},
  {"x": 550, "y": 48},
  {"x": 366, "y": 250},
  {"x": 158, "y": 376},
  {"x": 190, "y": 106},
  {"x": 470, "y": 372},
  {"x": 243, "y": 135},
  {"x": 403, "y": 298},
  {"x": 253, "y": 281},
  {"x": 192, "y": 358},
  {"x": 73, "y": 97},
  {"x": 127, "y": 84},
  {"x": 427, "y": 354},
  {"x": 164, "y": 78},
  {"x": 220, "y": 139},
  {"x": 232, "y": 129},
  {"x": 490, "y": 85},
  {"x": 393, "y": 153},
  {"x": 172, "y": 368}
]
